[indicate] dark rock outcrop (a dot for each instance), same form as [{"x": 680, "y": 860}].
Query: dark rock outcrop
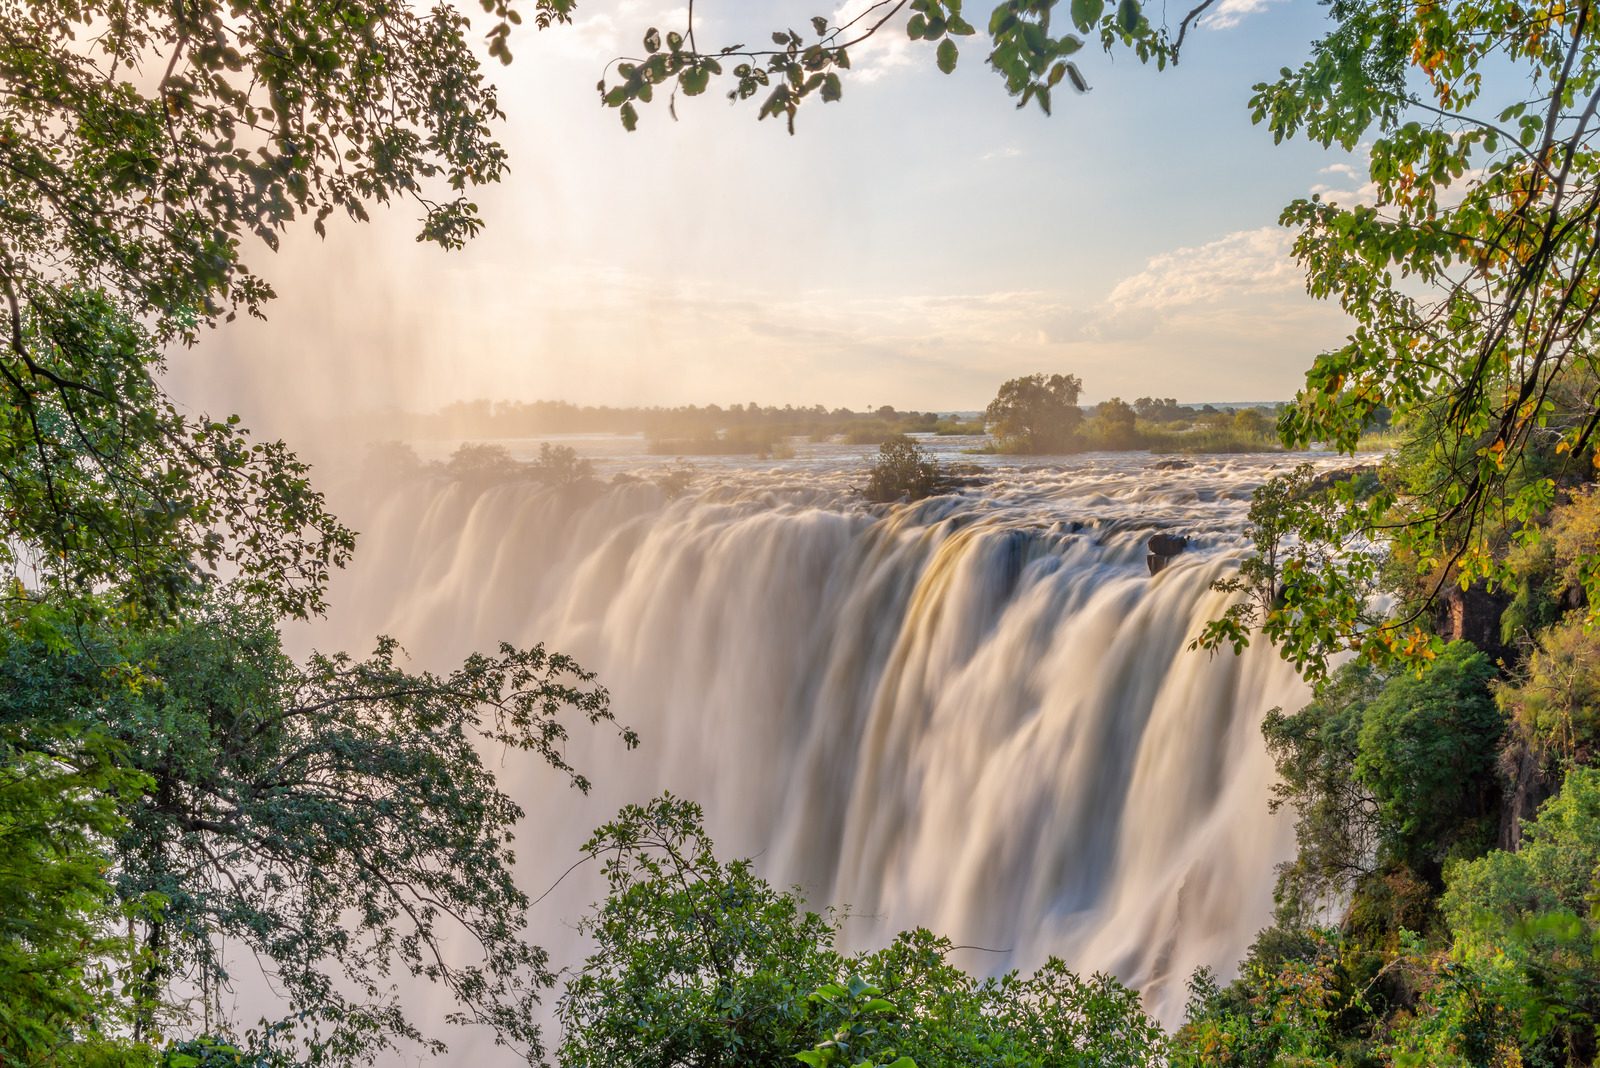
[
  {"x": 1527, "y": 786},
  {"x": 1162, "y": 548},
  {"x": 1473, "y": 615}
]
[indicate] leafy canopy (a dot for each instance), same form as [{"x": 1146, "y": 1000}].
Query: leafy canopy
[
  {"x": 1471, "y": 279},
  {"x": 701, "y": 962},
  {"x": 336, "y": 819}
]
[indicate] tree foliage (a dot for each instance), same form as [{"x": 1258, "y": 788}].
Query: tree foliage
[
  {"x": 701, "y": 962},
  {"x": 1478, "y": 123},
  {"x": 1535, "y": 910},
  {"x": 903, "y": 471},
  {"x": 336, "y": 819},
  {"x": 1036, "y": 414},
  {"x": 1033, "y": 47}
]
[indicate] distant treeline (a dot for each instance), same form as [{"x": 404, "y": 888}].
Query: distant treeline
[
  {"x": 743, "y": 429},
  {"x": 682, "y": 431}
]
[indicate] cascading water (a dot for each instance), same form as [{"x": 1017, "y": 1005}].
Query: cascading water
[{"x": 976, "y": 713}]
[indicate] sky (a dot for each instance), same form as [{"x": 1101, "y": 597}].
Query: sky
[{"x": 915, "y": 244}]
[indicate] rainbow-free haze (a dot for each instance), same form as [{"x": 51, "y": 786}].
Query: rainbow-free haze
[{"x": 914, "y": 244}]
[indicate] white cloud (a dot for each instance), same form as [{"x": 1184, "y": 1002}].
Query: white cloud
[
  {"x": 887, "y": 50},
  {"x": 1008, "y": 152},
  {"x": 1230, "y": 13},
  {"x": 1248, "y": 263}
]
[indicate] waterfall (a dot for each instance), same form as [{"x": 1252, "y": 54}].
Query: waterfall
[{"x": 976, "y": 713}]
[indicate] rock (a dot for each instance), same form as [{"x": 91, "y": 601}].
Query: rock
[
  {"x": 1473, "y": 615},
  {"x": 1527, "y": 786},
  {"x": 1162, "y": 548},
  {"x": 1173, "y": 464},
  {"x": 1167, "y": 544},
  {"x": 1365, "y": 475}
]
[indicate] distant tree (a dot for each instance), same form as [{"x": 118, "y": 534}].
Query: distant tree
[
  {"x": 903, "y": 470},
  {"x": 1158, "y": 409},
  {"x": 561, "y": 466},
  {"x": 1115, "y": 424},
  {"x": 676, "y": 479},
  {"x": 1253, "y": 422},
  {"x": 480, "y": 462},
  {"x": 1036, "y": 414}
]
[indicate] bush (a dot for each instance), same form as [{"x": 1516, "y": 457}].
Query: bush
[{"x": 903, "y": 471}]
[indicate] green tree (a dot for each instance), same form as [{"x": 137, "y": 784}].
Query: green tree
[
  {"x": 126, "y": 209},
  {"x": 336, "y": 819},
  {"x": 59, "y": 793},
  {"x": 1036, "y": 414},
  {"x": 152, "y": 732},
  {"x": 1535, "y": 909},
  {"x": 700, "y": 962},
  {"x": 1427, "y": 751},
  {"x": 1555, "y": 704},
  {"x": 696, "y": 961},
  {"x": 1114, "y": 425},
  {"x": 903, "y": 470},
  {"x": 1484, "y": 203}
]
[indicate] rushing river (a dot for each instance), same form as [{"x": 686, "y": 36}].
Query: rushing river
[{"x": 975, "y": 713}]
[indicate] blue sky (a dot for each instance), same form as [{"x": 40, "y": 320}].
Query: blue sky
[{"x": 914, "y": 244}]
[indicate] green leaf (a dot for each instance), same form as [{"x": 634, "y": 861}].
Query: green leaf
[
  {"x": 1128, "y": 16},
  {"x": 630, "y": 117},
  {"x": 652, "y": 40},
  {"x": 694, "y": 80},
  {"x": 1086, "y": 14},
  {"x": 947, "y": 55}
]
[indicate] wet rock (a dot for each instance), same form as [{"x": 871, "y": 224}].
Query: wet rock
[
  {"x": 1162, "y": 548},
  {"x": 1172, "y": 464}
]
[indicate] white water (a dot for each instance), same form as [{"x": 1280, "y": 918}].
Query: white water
[{"x": 976, "y": 713}]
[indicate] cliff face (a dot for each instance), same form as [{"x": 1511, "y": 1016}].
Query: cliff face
[
  {"x": 1527, "y": 786},
  {"x": 1473, "y": 615}
]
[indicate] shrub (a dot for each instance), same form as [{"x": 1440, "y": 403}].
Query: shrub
[{"x": 903, "y": 470}]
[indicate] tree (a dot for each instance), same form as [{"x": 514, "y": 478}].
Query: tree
[
  {"x": 696, "y": 961},
  {"x": 1427, "y": 750},
  {"x": 1485, "y": 202},
  {"x": 1534, "y": 909},
  {"x": 1036, "y": 414},
  {"x": 335, "y": 819},
  {"x": 1031, "y": 56},
  {"x": 59, "y": 793},
  {"x": 126, "y": 212},
  {"x": 903, "y": 470},
  {"x": 1114, "y": 425},
  {"x": 699, "y": 962},
  {"x": 561, "y": 466},
  {"x": 152, "y": 733}
]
